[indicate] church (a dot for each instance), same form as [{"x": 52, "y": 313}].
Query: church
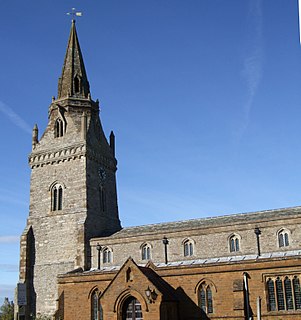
[{"x": 77, "y": 262}]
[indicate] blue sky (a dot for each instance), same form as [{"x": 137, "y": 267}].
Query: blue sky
[{"x": 203, "y": 96}]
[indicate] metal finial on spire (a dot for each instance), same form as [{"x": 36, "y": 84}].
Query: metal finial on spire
[{"x": 74, "y": 13}]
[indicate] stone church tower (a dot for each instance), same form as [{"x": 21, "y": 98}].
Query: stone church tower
[{"x": 72, "y": 190}]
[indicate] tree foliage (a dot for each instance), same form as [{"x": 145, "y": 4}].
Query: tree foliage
[{"x": 7, "y": 310}]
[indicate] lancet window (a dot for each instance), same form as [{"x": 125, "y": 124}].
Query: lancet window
[
  {"x": 96, "y": 309},
  {"x": 188, "y": 248},
  {"x": 58, "y": 128},
  {"x": 56, "y": 197},
  {"x": 102, "y": 198},
  {"x": 234, "y": 243},
  {"x": 107, "y": 255},
  {"x": 205, "y": 297},
  {"x": 283, "y": 238},
  {"x": 146, "y": 252}
]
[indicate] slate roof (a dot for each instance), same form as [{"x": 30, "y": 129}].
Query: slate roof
[
  {"x": 250, "y": 217},
  {"x": 229, "y": 259}
]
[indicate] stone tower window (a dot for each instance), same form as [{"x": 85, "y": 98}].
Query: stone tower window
[
  {"x": 58, "y": 128},
  {"x": 283, "y": 238},
  {"x": 107, "y": 255},
  {"x": 205, "y": 297},
  {"x": 56, "y": 197},
  {"x": 102, "y": 198},
  {"x": 96, "y": 309},
  {"x": 188, "y": 248},
  {"x": 146, "y": 252},
  {"x": 234, "y": 243}
]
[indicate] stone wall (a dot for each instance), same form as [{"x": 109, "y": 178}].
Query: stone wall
[
  {"x": 210, "y": 237},
  {"x": 225, "y": 279}
]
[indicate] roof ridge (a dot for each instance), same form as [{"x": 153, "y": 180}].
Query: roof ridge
[{"x": 213, "y": 217}]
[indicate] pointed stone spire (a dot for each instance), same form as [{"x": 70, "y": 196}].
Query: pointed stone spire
[{"x": 73, "y": 82}]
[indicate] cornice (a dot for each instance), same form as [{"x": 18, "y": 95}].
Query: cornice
[
  {"x": 54, "y": 156},
  {"x": 69, "y": 153}
]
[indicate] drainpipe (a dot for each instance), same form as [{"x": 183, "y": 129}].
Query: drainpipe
[
  {"x": 258, "y": 233},
  {"x": 249, "y": 317},
  {"x": 258, "y": 308},
  {"x": 165, "y": 242}
]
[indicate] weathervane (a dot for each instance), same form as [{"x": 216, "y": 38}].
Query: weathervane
[{"x": 74, "y": 13}]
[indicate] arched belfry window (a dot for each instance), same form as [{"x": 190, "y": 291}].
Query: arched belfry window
[
  {"x": 283, "y": 238},
  {"x": 58, "y": 128},
  {"x": 102, "y": 199},
  {"x": 146, "y": 252},
  {"x": 96, "y": 309},
  {"x": 205, "y": 297},
  {"x": 56, "y": 197},
  {"x": 132, "y": 309},
  {"x": 234, "y": 243}
]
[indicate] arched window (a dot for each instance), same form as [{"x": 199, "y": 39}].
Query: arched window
[
  {"x": 279, "y": 294},
  {"x": 107, "y": 255},
  {"x": 56, "y": 197},
  {"x": 288, "y": 294},
  {"x": 77, "y": 82},
  {"x": 205, "y": 298},
  {"x": 284, "y": 293},
  {"x": 58, "y": 128},
  {"x": 283, "y": 238},
  {"x": 96, "y": 309},
  {"x": 234, "y": 244},
  {"x": 297, "y": 292},
  {"x": 102, "y": 199},
  {"x": 188, "y": 248},
  {"x": 146, "y": 252},
  {"x": 271, "y": 295},
  {"x": 132, "y": 309}
]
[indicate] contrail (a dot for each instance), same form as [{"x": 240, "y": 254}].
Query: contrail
[
  {"x": 252, "y": 65},
  {"x": 9, "y": 239},
  {"x": 15, "y": 118},
  {"x": 299, "y": 4}
]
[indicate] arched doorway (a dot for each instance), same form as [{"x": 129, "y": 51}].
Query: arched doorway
[{"x": 132, "y": 309}]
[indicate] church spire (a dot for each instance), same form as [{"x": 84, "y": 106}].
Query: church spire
[{"x": 73, "y": 81}]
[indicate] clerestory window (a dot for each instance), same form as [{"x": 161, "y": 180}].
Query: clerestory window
[
  {"x": 146, "y": 252},
  {"x": 188, "y": 248},
  {"x": 283, "y": 238},
  {"x": 107, "y": 256},
  {"x": 234, "y": 244}
]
